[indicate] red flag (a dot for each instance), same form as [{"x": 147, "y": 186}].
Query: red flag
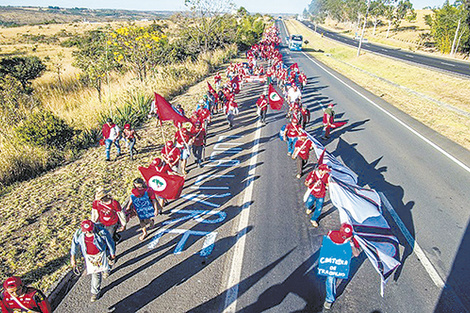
[
  {"x": 275, "y": 99},
  {"x": 166, "y": 112},
  {"x": 235, "y": 83},
  {"x": 320, "y": 159},
  {"x": 211, "y": 90},
  {"x": 165, "y": 185}
]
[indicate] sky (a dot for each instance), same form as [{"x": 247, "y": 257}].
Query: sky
[{"x": 253, "y": 6}]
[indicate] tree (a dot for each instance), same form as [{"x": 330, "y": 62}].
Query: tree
[
  {"x": 24, "y": 69},
  {"x": 377, "y": 10},
  {"x": 94, "y": 58},
  {"x": 206, "y": 15}
]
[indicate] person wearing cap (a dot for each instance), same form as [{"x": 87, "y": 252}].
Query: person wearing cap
[
  {"x": 198, "y": 141},
  {"x": 96, "y": 245},
  {"x": 262, "y": 104},
  {"x": 343, "y": 235},
  {"x": 302, "y": 148},
  {"x": 171, "y": 155},
  {"x": 108, "y": 212},
  {"x": 317, "y": 183},
  {"x": 145, "y": 204},
  {"x": 293, "y": 130},
  {"x": 16, "y": 297},
  {"x": 328, "y": 120},
  {"x": 130, "y": 136},
  {"x": 111, "y": 134}
]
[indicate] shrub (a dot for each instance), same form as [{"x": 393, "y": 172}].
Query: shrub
[{"x": 42, "y": 128}]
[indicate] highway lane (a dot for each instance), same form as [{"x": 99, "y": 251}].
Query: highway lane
[
  {"x": 453, "y": 66},
  {"x": 428, "y": 190}
]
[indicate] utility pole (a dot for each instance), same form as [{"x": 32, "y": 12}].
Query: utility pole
[{"x": 363, "y": 29}]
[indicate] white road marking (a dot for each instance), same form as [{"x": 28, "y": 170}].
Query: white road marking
[
  {"x": 239, "y": 249},
  {"x": 444, "y": 63},
  {"x": 410, "y": 56},
  {"x": 413, "y": 243}
]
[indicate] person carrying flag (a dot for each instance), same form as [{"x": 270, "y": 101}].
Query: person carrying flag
[
  {"x": 317, "y": 183},
  {"x": 302, "y": 148},
  {"x": 171, "y": 155},
  {"x": 182, "y": 138},
  {"x": 343, "y": 235},
  {"x": 231, "y": 110},
  {"x": 262, "y": 104},
  {"x": 16, "y": 297}
]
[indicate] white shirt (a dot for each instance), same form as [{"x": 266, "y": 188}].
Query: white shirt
[{"x": 114, "y": 133}]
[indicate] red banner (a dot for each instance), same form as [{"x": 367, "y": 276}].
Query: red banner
[
  {"x": 166, "y": 112},
  {"x": 275, "y": 99}
]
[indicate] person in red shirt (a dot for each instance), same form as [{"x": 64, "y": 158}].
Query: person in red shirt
[
  {"x": 343, "y": 235},
  {"x": 302, "y": 148},
  {"x": 293, "y": 130},
  {"x": 182, "y": 139},
  {"x": 317, "y": 183},
  {"x": 171, "y": 155},
  {"x": 17, "y": 297},
  {"x": 305, "y": 114},
  {"x": 198, "y": 142},
  {"x": 111, "y": 134},
  {"x": 328, "y": 120},
  {"x": 217, "y": 80},
  {"x": 108, "y": 212},
  {"x": 145, "y": 204},
  {"x": 262, "y": 104}
]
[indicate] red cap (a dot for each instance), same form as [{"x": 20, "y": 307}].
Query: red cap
[
  {"x": 127, "y": 126},
  {"x": 12, "y": 282},
  {"x": 346, "y": 230},
  {"x": 331, "y": 105},
  {"x": 87, "y": 225}
]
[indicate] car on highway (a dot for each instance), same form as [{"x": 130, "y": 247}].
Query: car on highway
[{"x": 295, "y": 43}]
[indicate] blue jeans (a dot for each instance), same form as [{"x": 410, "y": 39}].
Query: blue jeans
[
  {"x": 319, "y": 205},
  {"x": 330, "y": 285},
  {"x": 291, "y": 144},
  {"x": 108, "y": 143}
]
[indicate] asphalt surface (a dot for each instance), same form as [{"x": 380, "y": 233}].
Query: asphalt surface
[
  {"x": 444, "y": 64},
  {"x": 278, "y": 271}
]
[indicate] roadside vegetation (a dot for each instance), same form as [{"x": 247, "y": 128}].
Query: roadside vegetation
[
  {"x": 370, "y": 71},
  {"x": 53, "y": 118},
  {"x": 444, "y": 30}
]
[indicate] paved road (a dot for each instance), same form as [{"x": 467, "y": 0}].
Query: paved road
[
  {"x": 443, "y": 64},
  {"x": 247, "y": 197}
]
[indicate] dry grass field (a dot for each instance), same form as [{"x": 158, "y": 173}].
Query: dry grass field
[{"x": 445, "y": 88}]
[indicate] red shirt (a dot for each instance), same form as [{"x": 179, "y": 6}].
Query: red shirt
[
  {"x": 171, "y": 154},
  {"x": 107, "y": 129},
  {"x": 182, "y": 137},
  {"x": 293, "y": 131},
  {"x": 32, "y": 299},
  {"x": 107, "y": 213},
  {"x": 304, "y": 147},
  {"x": 262, "y": 103},
  {"x": 317, "y": 184},
  {"x": 90, "y": 246},
  {"x": 199, "y": 136}
]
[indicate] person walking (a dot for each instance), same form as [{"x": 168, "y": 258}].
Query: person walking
[
  {"x": 328, "y": 120},
  {"x": 317, "y": 183},
  {"x": 145, "y": 204},
  {"x": 262, "y": 104},
  {"x": 130, "y": 136},
  {"x": 16, "y": 297},
  {"x": 108, "y": 212},
  {"x": 292, "y": 131},
  {"x": 96, "y": 246},
  {"x": 182, "y": 139},
  {"x": 171, "y": 155},
  {"x": 198, "y": 142},
  {"x": 343, "y": 235},
  {"x": 111, "y": 134},
  {"x": 302, "y": 148}
]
